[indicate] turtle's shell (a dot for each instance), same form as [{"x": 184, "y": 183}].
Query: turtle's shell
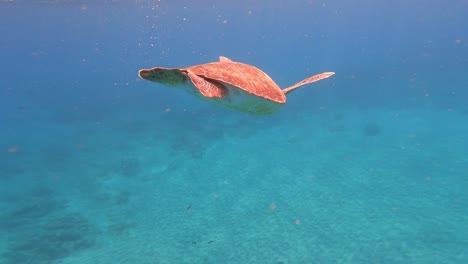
[{"x": 246, "y": 77}]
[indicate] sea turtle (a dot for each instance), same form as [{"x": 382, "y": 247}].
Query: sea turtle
[{"x": 229, "y": 84}]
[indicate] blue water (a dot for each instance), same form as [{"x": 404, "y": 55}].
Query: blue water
[{"x": 368, "y": 166}]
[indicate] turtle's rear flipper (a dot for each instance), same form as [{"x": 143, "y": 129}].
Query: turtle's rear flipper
[
  {"x": 208, "y": 88},
  {"x": 312, "y": 79}
]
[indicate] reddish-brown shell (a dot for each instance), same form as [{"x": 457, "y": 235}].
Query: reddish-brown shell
[{"x": 245, "y": 77}]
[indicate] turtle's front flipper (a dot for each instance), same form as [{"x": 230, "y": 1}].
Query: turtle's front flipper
[
  {"x": 312, "y": 79},
  {"x": 208, "y": 88}
]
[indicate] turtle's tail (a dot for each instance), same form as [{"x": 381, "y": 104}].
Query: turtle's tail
[{"x": 312, "y": 79}]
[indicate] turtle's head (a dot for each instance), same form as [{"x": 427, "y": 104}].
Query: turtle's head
[{"x": 170, "y": 77}]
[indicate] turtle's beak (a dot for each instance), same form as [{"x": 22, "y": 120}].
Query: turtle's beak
[{"x": 144, "y": 74}]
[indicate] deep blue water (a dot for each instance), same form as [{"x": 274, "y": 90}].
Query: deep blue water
[{"x": 368, "y": 166}]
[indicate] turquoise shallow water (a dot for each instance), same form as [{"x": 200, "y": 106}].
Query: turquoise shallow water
[
  {"x": 368, "y": 166},
  {"x": 347, "y": 187}
]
